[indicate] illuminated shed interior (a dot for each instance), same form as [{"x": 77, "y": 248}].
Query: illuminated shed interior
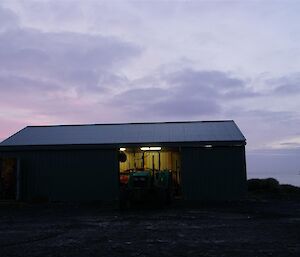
[{"x": 164, "y": 159}]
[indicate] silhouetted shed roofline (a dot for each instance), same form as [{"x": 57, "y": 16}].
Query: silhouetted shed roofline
[{"x": 183, "y": 133}]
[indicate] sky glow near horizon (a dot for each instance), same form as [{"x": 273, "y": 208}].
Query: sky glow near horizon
[{"x": 72, "y": 62}]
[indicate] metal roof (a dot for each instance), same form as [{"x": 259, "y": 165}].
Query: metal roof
[{"x": 129, "y": 133}]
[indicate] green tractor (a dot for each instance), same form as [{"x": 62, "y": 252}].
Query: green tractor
[
  {"x": 149, "y": 187},
  {"x": 140, "y": 186}
]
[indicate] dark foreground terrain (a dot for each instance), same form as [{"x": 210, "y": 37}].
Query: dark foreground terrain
[{"x": 251, "y": 228}]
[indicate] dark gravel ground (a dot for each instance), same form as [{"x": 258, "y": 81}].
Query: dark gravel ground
[{"x": 250, "y": 228}]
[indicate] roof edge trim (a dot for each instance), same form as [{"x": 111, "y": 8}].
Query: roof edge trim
[{"x": 130, "y": 123}]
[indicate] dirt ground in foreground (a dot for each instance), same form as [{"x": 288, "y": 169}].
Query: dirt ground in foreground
[{"x": 251, "y": 228}]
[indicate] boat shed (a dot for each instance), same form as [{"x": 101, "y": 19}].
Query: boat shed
[{"x": 93, "y": 163}]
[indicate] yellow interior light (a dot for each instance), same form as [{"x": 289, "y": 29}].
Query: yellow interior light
[{"x": 151, "y": 148}]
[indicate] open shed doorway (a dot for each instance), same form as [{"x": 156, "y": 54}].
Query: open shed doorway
[
  {"x": 8, "y": 178},
  {"x": 150, "y": 174}
]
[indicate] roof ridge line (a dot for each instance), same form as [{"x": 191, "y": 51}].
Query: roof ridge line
[{"x": 129, "y": 123}]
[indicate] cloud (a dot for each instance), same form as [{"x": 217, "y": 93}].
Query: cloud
[
  {"x": 183, "y": 94},
  {"x": 286, "y": 143},
  {"x": 58, "y": 76},
  {"x": 264, "y": 126},
  {"x": 275, "y": 152},
  {"x": 187, "y": 108},
  {"x": 36, "y": 51},
  {"x": 8, "y": 19},
  {"x": 264, "y": 115},
  {"x": 286, "y": 85},
  {"x": 161, "y": 103},
  {"x": 209, "y": 83},
  {"x": 83, "y": 61}
]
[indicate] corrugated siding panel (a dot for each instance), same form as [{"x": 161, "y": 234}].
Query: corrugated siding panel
[
  {"x": 89, "y": 175},
  {"x": 213, "y": 173}
]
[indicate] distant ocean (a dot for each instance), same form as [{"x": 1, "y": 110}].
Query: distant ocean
[{"x": 283, "y": 166}]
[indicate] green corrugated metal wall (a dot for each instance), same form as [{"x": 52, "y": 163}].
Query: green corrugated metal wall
[
  {"x": 217, "y": 173},
  {"x": 69, "y": 175}
]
